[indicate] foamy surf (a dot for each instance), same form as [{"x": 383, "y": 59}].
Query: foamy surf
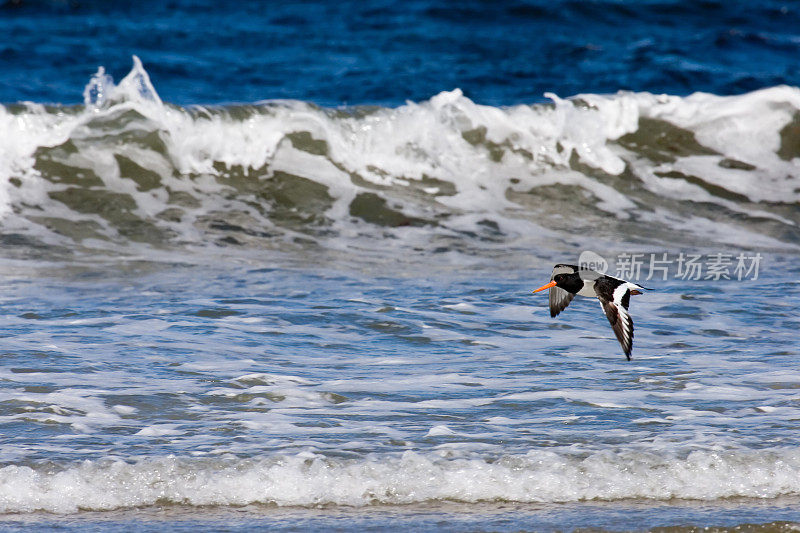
[
  {"x": 312, "y": 480},
  {"x": 128, "y": 168}
]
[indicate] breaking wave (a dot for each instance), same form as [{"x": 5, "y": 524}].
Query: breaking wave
[
  {"x": 126, "y": 168},
  {"x": 313, "y": 480}
]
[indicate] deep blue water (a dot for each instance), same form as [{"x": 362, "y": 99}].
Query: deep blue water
[
  {"x": 384, "y": 53},
  {"x": 269, "y": 265}
]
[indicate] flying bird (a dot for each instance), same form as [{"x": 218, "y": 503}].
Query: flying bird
[{"x": 614, "y": 295}]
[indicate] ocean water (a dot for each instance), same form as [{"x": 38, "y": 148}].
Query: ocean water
[{"x": 270, "y": 266}]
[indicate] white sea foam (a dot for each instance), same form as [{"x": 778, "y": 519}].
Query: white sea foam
[
  {"x": 311, "y": 480},
  {"x": 439, "y": 431},
  {"x": 447, "y": 154}
]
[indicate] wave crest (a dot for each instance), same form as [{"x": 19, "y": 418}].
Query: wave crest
[
  {"x": 312, "y": 480},
  {"x": 128, "y": 167}
]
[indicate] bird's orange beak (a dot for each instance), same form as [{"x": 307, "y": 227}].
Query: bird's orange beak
[{"x": 543, "y": 287}]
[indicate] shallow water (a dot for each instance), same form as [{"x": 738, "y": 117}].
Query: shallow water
[
  {"x": 670, "y": 517},
  {"x": 250, "y": 384},
  {"x": 277, "y": 315}
]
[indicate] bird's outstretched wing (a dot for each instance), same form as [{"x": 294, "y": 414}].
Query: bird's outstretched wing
[
  {"x": 559, "y": 298},
  {"x": 621, "y": 322}
]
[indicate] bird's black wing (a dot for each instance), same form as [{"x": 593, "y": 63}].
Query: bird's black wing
[
  {"x": 622, "y": 324},
  {"x": 614, "y": 296},
  {"x": 559, "y": 298}
]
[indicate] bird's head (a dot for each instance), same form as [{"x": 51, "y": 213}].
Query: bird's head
[{"x": 569, "y": 282}]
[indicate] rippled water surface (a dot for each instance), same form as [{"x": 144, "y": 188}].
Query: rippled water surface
[
  {"x": 278, "y": 275},
  {"x": 241, "y": 384}
]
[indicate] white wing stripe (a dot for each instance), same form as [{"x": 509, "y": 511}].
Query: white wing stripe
[{"x": 619, "y": 293}]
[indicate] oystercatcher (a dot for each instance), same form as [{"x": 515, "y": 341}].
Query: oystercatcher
[{"x": 614, "y": 295}]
